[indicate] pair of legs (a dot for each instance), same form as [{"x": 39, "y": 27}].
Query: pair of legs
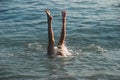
[{"x": 61, "y": 42}]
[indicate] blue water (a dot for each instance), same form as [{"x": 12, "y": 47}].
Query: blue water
[{"x": 93, "y": 37}]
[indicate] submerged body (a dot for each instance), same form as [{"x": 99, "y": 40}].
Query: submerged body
[{"x": 61, "y": 49}]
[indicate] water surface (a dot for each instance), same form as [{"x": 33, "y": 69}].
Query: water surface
[{"x": 93, "y": 37}]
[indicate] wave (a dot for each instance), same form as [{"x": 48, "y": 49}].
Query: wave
[
  {"x": 101, "y": 75},
  {"x": 94, "y": 48},
  {"x": 35, "y": 46}
]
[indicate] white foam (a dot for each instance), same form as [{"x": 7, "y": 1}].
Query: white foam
[
  {"x": 35, "y": 46},
  {"x": 94, "y": 47}
]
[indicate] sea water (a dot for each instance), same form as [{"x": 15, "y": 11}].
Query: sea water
[{"x": 93, "y": 38}]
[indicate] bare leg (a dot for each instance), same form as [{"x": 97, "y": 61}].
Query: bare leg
[
  {"x": 63, "y": 32},
  {"x": 50, "y": 50}
]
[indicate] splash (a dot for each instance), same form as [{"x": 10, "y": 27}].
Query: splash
[
  {"x": 35, "y": 46},
  {"x": 96, "y": 48}
]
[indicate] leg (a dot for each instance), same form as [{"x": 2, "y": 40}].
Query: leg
[
  {"x": 50, "y": 50},
  {"x": 63, "y": 32}
]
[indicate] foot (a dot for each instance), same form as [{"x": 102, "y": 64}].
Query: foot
[
  {"x": 63, "y": 14},
  {"x": 48, "y": 13}
]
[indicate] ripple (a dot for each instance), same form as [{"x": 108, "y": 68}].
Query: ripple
[{"x": 92, "y": 37}]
